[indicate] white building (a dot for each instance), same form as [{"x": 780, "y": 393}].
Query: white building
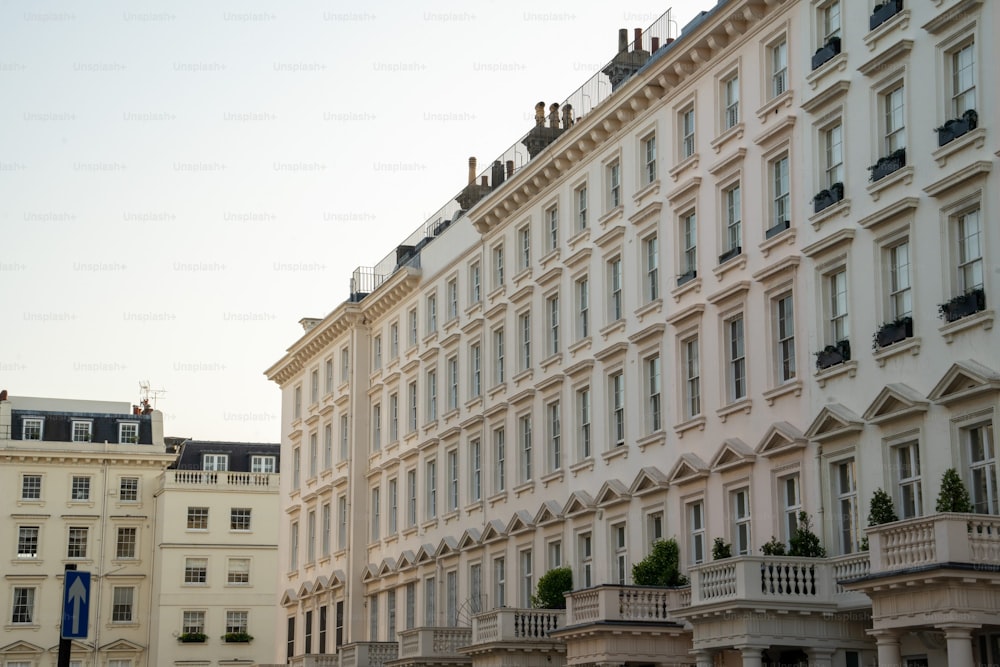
[{"x": 619, "y": 342}]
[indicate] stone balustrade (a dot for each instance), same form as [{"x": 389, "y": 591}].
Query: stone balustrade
[
  {"x": 432, "y": 641},
  {"x": 367, "y": 654},
  {"x": 624, "y": 603},
  {"x": 948, "y": 537},
  {"x": 219, "y": 478},
  {"x": 500, "y": 625},
  {"x": 315, "y": 660}
]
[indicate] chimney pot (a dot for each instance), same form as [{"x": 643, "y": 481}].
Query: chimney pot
[
  {"x": 637, "y": 46},
  {"x": 567, "y": 116},
  {"x": 472, "y": 170},
  {"x": 554, "y": 115},
  {"x": 510, "y": 168},
  {"x": 540, "y": 114},
  {"x": 656, "y": 45},
  {"x": 485, "y": 180},
  {"x": 622, "y": 39}
]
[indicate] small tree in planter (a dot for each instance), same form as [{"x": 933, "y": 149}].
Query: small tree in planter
[
  {"x": 661, "y": 567},
  {"x": 773, "y": 548},
  {"x": 721, "y": 549},
  {"x": 552, "y": 587},
  {"x": 804, "y": 543},
  {"x": 954, "y": 497},
  {"x": 882, "y": 511}
]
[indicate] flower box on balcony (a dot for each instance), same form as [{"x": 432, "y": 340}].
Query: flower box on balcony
[
  {"x": 831, "y": 355},
  {"x": 777, "y": 229},
  {"x": 888, "y": 164},
  {"x": 893, "y": 332},
  {"x": 829, "y": 197},
  {"x": 686, "y": 277},
  {"x": 963, "y": 305},
  {"x": 729, "y": 254},
  {"x": 192, "y": 638},
  {"x": 883, "y": 12},
  {"x": 956, "y": 127},
  {"x": 237, "y": 638},
  {"x": 826, "y": 52}
]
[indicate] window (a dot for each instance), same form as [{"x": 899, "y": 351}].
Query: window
[
  {"x": 736, "y": 361},
  {"x": 432, "y": 313},
  {"x": 731, "y": 102},
  {"x": 846, "y": 488},
  {"x": 123, "y": 604},
  {"x": 82, "y": 431},
  {"x": 430, "y": 601},
  {"x": 341, "y": 522},
  {"x": 452, "y": 383},
  {"x": 376, "y": 427},
  {"x": 620, "y": 555},
  {"x": 839, "y": 327},
  {"x": 649, "y": 158},
  {"x": 900, "y": 296},
  {"x": 314, "y": 386},
  {"x": 298, "y": 403},
  {"x": 195, "y": 570},
  {"x": 894, "y": 121},
  {"x": 128, "y": 489},
  {"x": 326, "y": 519},
  {"x": 27, "y": 542},
  {"x": 582, "y": 308},
  {"x": 411, "y": 327},
  {"x": 376, "y": 514},
  {"x": 498, "y": 266},
  {"x": 689, "y": 246},
  {"x": 555, "y": 554},
  {"x": 651, "y": 267},
  {"x": 327, "y": 446},
  {"x": 555, "y": 436},
  {"x": 344, "y": 436},
  {"x": 524, "y": 331},
  {"x": 476, "y": 470},
  {"x": 692, "y": 378},
  {"x": 552, "y": 311},
  {"x": 524, "y": 431},
  {"x": 293, "y": 531},
  {"x": 552, "y": 228},
  {"x": 308, "y": 631},
  {"x": 193, "y": 621},
  {"x": 475, "y": 283},
  {"x": 394, "y": 340},
  {"x": 616, "y": 392},
  {"x": 372, "y": 604},
  {"x": 585, "y": 556},
  {"x": 452, "y": 461},
  {"x": 323, "y": 621},
  {"x": 970, "y": 251},
  {"x": 734, "y": 223},
  {"x": 197, "y": 518},
  {"x": 785, "y": 329},
  {"x": 265, "y": 464},
  {"x": 500, "y": 582},
  {"x": 830, "y": 21},
  {"x": 128, "y": 432},
  {"x": 687, "y": 133},
  {"x": 125, "y": 543},
  {"x": 432, "y": 408},
  {"x": 524, "y": 246},
  {"x": 393, "y": 499},
  {"x": 31, "y": 487},
  {"x": 500, "y": 461},
  {"x": 654, "y": 528},
  {"x": 498, "y": 356},
  {"x": 311, "y": 536},
  {"x": 393, "y": 417},
  {"x": 31, "y": 429},
  {"x": 76, "y": 545},
  {"x": 313, "y": 455},
  {"x": 411, "y": 605},
  {"x": 614, "y": 180},
  {"x": 583, "y": 421},
  {"x": 296, "y": 467},
  {"x": 778, "y": 55},
  {"x": 833, "y": 144},
  {"x": 654, "y": 414},
  {"x": 616, "y": 306},
  {"x": 527, "y": 578},
  {"x": 791, "y": 505},
  {"x": 239, "y": 518},
  {"x": 696, "y": 532},
  {"x": 329, "y": 376},
  {"x": 290, "y": 638},
  {"x": 963, "y": 80},
  {"x": 80, "y": 489},
  {"x": 780, "y": 203},
  {"x": 475, "y": 588},
  {"x": 740, "y": 502},
  {"x": 907, "y": 460},
  {"x": 411, "y": 498},
  {"x": 476, "y": 374},
  {"x": 411, "y": 407},
  {"x": 345, "y": 364},
  {"x": 24, "y": 605},
  {"x": 377, "y": 352},
  {"x": 236, "y": 622},
  {"x": 983, "y": 469},
  {"x": 431, "y": 506},
  {"x": 215, "y": 462},
  {"x": 580, "y": 196}
]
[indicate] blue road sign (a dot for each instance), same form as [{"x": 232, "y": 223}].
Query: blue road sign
[{"x": 76, "y": 604}]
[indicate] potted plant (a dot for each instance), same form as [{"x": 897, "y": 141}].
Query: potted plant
[
  {"x": 237, "y": 637},
  {"x": 892, "y": 332},
  {"x": 953, "y": 497},
  {"x": 804, "y": 543},
  {"x": 882, "y": 511},
  {"x": 661, "y": 567},
  {"x": 829, "y": 197},
  {"x": 552, "y": 589},
  {"x": 192, "y": 637},
  {"x": 777, "y": 229},
  {"x": 888, "y": 164},
  {"x": 774, "y": 547},
  {"x": 729, "y": 254},
  {"x": 963, "y": 305},
  {"x": 831, "y": 355},
  {"x": 883, "y": 12},
  {"x": 721, "y": 549},
  {"x": 686, "y": 277},
  {"x": 956, "y": 127},
  {"x": 826, "y": 52}
]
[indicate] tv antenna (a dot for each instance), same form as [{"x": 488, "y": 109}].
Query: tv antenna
[{"x": 146, "y": 394}]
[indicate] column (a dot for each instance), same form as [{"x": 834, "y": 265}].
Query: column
[
  {"x": 703, "y": 658},
  {"x": 887, "y": 643},
  {"x": 751, "y": 656},
  {"x": 959, "y": 638},
  {"x": 820, "y": 657}
]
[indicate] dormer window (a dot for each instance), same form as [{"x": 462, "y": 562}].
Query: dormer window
[
  {"x": 31, "y": 429},
  {"x": 215, "y": 462},
  {"x": 128, "y": 433},
  {"x": 82, "y": 431}
]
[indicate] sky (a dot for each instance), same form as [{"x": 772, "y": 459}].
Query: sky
[{"x": 182, "y": 182}]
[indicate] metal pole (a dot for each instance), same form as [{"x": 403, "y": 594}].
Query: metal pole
[{"x": 65, "y": 645}]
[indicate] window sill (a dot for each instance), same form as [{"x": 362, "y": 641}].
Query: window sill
[
  {"x": 654, "y": 307},
  {"x": 784, "y": 236},
  {"x": 580, "y": 345},
  {"x": 496, "y": 389},
  {"x": 736, "y": 263},
  {"x": 691, "y": 285},
  {"x": 843, "y": 207},
  {"x": 523, "y": 488},
  {"x": 581, "y": 237},
  {"x": 523, "y": 376},
  {"x": 550, "y": 257},
  {"x": 652, "y": 188},
  {"x": 611, "y": 216},
  {"x": 838, "y": 63},
  {"x": 615, "y": 327},
  {"x": 476, "y": 506},
  {"x": 976, "y": 138},
  {"x": 430, "y": 523},
  {"x": 654, "y": 438},
  {"x": 452, "y": 515},
  {"x": 983, "y": 318},
  {"x": 790, "y": 387},
  {"x": 621, "y": 451},
  {"x": 585, "y": 465},
  {"x": 735, "y": 132},
  {"x": 473, "y": 403},
  {"x": 690, "y": 162},
  {"x": 902, "y": 175},
  {"x": 786, "y": 98},
  {"x": 554, "y": 476},
  {"x": 901, "y": 20},
  {"x": 524, "y": 275},
  {"x": 849, "y": 368},
  {"x": 685, "y": 426},
  {"x": 412, "y": 530},
  {"x": 743, "y": 404},
  {"x": 911, "y": 345},
  {"x": 550, "y": 360},
  {"x": 497, "y": 498}
]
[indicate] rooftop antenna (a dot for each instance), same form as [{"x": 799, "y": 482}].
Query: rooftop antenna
[{"x": 145, "y": 394}]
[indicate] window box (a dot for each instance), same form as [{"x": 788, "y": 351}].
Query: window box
[
  {"x": 686, "y": 277},
  {"x": 192, "y": 638},
  {"x": 956, "y": 127},
  {"x": 237, "y": 638},
  {"x": 886, "y": 165},
  {"x": 892, "y": 332},
  {"x": 777, "y": 229},
  {"x": 831, "y": 355},
  {"x": 829, "y": 197},
  {"x": 962, "y": 305},
  {"x": 729, "y": 254},
  {"x": 826, "y": 52},
  {"x": 883, "y": 12}
]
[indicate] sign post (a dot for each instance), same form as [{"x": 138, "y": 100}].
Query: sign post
[{"x": 75, "y": 611}]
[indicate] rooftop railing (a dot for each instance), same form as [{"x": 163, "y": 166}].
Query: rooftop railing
[{"x": 214, "y": 478}]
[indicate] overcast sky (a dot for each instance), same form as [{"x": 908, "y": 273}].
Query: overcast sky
[{"x": 181, "y": 182}]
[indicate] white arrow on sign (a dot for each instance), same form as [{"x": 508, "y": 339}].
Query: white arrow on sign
[{"x": 77, "y": 594}]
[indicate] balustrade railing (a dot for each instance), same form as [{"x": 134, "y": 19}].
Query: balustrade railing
[
  {"x": 217, "y": 478},
  {"x": 433, "y": 641},
  {"x": 948, "y": 537},
  {"x": 624, "y": 603},
  {"x": 516, "y": 624},
  {"x": 367, "y": 654},
  {"x": 766, "y": 578}
]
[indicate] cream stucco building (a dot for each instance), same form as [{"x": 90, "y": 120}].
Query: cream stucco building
[{"x": 752, "y": 281}]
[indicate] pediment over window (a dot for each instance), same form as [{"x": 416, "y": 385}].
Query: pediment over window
[
  {"x": 834, "y": 421},
  {"x": 494, "y": 531},
  {"x": 781, "y": 437},
  {"x": 407, "y": 559},
  {"x": 448, "y": 546},
  {"x": 965, "y": 380},
  {"x": 895, "y": 401},
  {"x": 648, "y": 480},
  {"x": 470, "y": 538},
  {"x": 288, "y": 598},
  {"x": 306, "y": 589},
  {"x": 426, "y": 553},
  {"x": 388, "y": 566},
  {"x": 520, "y": 522},
  {"x": 75, "y": 646},
  {"x": 549, "y": 511},
  {"x": 338, "y": 578},
  {"x": 687, "y": 469},
  {"x": 612, "y": 492},
  {"x": 732, "y": 454},
  {"x": 123, "y": 645},
  {"x": 322, "y": 584},
  {"x": 579, "y": 502},
  {"x": 21, "y": 647},
  {"x": 370, "y": 573}
]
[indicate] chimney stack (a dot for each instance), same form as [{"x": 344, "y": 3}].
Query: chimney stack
[
  {"x": 472, "y": 170},
  {"x": 622, "y": 39},
  {"x": 541, "y": 136},
  {"x": 496, "y": 173},
  {"x": 626, "y": 63},
  {"x": 472, "y": 193}
]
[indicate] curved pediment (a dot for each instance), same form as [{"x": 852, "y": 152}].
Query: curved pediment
[
  {"x": 895, "y": 401},
  {"x": 964, "y": 380}
]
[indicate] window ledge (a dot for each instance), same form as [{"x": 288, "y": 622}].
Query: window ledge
[
  {"x": 738, "y": 262},
  {"x": 695, "y": 422},
  {"x": 654, "y": 438},
  {"x": 580, "y": 345},
  {"x": 524, "y": 275},
  {"x": 733, "y": 133},
  {"x": 615, "y": 327},
  {"x": 581, "y": 237},
  {"x": 911, "y": 344},
  {"x": 474, "y": 403},
  {"x": 523, "y": 376},
  {"x": 430, "y": 425},
  {"x": 523, "y": 488},
  {"x": 983, "y": 318},
  {"x": 448, "y": 326},
  {"x": 849, "y": 368},
  {"x": 551, "y": 359},
  {"x": 901, "y": 20},
  {"x": 690, "y": 162},
  {"x": 430, "y": 523},
  {"x": 646, "y": 190},
  {"x": 554, "y": 476},
  {"x": 621, "y": 451},
  {"x": 743, "y": 404},
  {"x": 496, "y": 389},
  {"x": 786, "y": 99},
  {"x": 838, "y": 63},
  {"x": 585, "y": 465},
  {"x": 476, "y": 506},
  {"x": 843, "y": 207},
  {"x": 652, "y": 308},
  {"x": 902, "y": 175},
  {"x": 412, "y": 530},
  {"x": 690, "y": 286},
  {"x": 553, "y": 255},
  {"x": 976, "y": 138},
  {"x": 474, "y": 309},
  {"x": 450, "y": 516},
  {"x": 497, "y": 498},
  {"x": 497, "y": 294},
  {"x": 785, "y": 236},
  {"x": 790, "y": 387},
  {"x": 614, "y": 214}
]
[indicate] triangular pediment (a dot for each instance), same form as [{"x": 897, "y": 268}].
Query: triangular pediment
[
  {"x": 288, "y": 597},
  {"x": 964, "y": 380},
  {"x": 470, "y": 538},
  {"x": 447, "y": 547},
  {"x": 780, "y": 437},
  {"x": 687, "y": 469},
  {"x": 612, "y": 492},
  {"x": 369, "y": 573},
  {"x": 337, "y": 578},
  {"x": 426, "y": 553},
  {"x": 21, "y": 647},
  {"x": 123, "y": 645},
  {"x": 407, "y": 559},
  {"x": 306, "y": 589},
  {"x": 388, "y": 566},
  {"x": 494, "y": 530},
  {"x": 579, "y": 502},
  {"x": 732, "y": 454},
  {"x": 520, "y": 522},
  {"x": 75, "y": 646},
  {"x": 322, "y": 584},
  {"x": 834, "y": 421},
  {"x": 895, "y": 401},
  {"x": 648, "y": 480},
  {"x": 549, "y": 511}
]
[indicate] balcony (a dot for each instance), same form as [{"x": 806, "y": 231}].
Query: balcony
[
  {"x": 212, "y": 479},
  {"x": 315, "y": 660},
  {"x": 435, "y": 645},
  {"x": 516, "y": 625},
  {"x": 624, "y": 603},
  {"x": 361, "y": 654},
  {"x": 938, "y": 540}
]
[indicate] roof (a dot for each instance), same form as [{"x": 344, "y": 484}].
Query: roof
[{"x": 191, "y": 452}]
